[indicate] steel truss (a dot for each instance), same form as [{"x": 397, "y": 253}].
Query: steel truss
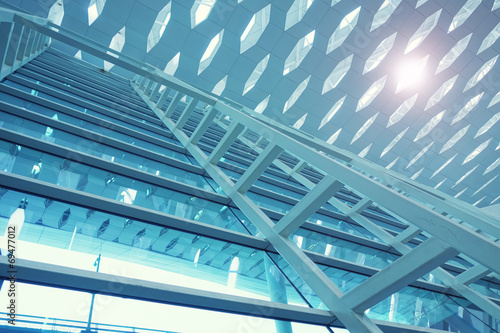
[{"x": 453, "y": 228}]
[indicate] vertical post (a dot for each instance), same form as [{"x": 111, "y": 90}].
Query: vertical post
[{"x": 96, "y": 263}]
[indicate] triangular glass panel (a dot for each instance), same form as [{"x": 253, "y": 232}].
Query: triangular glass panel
[
  {"x": 117, "y": 43},
  {"x": 490, "y": 39},
  {"x": 471, "y": 104},
  {"x": 420, "y": 154}
]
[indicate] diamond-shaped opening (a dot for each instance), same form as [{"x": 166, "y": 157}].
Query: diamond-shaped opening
[
  {"x": 299, "y": 52},
  {"x": 430, "y": 126},
  {"x": 477, "y": 151},
  {"x": 423, "y": 31},
  {"x": 454, "y": 53},
  {"x": 159, "y": 26},
  {"x": 485, "y": 69},
  {"x": 117, "y": 43},
  {"x": 220, "y": 86},
  {"x": 492, "y": 166},
  {"x": 420, "y": 154},
  {"x": 95, "y": 9},
  {"x": 364, "y": 128},
  {"x": 56, "y": 12},
  {"x": 441, "y": 92},
  {"x": 337, "y": 74},
  {"x": 255, "y": 28},
  {"x": 262, "y": 105},
  {"x": 454, "y": 139},
  {"x": 296, "y": 12},
  {"x": 345, "y": 27},
  {"x": 380, "y": 53},
  {"x": 464, "y": 13},
  {"x": 296, "y": 94},
  {"x": 384, "y": 12},
  {"x": 298, "y": 124},
  {"x": 334, "y": 137},
  {"x": 490, "y": 39},
  {"x": 402, "y": 110},
  {"x": 210, "y": 52},
  {"x": 172, "y": 65},
  {"x": 332, "y": 112},
  {"x": 371, "y": 93},
  {"x": 200, "y": 11},
  {"x": 393, "y": 142},
  {"x": 444, "y": 165},
  {"x": 489, "y": 124},
  {"x": 257, "y": 72},
  {"x": 471, "y": 104}
]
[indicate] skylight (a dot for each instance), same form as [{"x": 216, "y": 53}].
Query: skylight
[
  {"x": 172, "y": 65},
  {"x": 159, "y": 26},
  {"x": 454, "y": 139},
  {"x": 298, "y": 124},
  {"x": 117, "y": 43},
  {"x": 220, "y": 86},
  {"x": 297, "y": 12},
  {"x": 420, "y": 154},
  {"x": 464, "y": 13},
  {"x": 210, "y": 52},
  {"x": 393, "y": 142},
  {"x": 299, "y": 52},
  {"x": 364, "y": 128},
  {"x": 371, "y": 93},
  {"x": 380, "y": 53},
  {"x": 337, "y": 74},
  {"x": 423, "y": 31},
  {"x": 490, "y": 39},
  {"x": 492, "y": 166},
  {"x": 477, "y": 151},
  {"x": 444, "y": 165},
  {"x": 430, "y": 126},
  {"x": 481, "y": 73},
  {"x": 494, "y": 100},
  {"x": 257, "y": 72},
  {"x": 454, "y": 53},
  {"x": 471, "y": 104},
  {"x": 200, "y": 11},
  {"x": 345, "y": 27},
  {"x": 467, "y": 174},
  {"x": 255, "y": 28},
  {"x": 489, "y": 124},
  {"x": 334, "y": 137},
  {"x": 441, "y": 92},
  {"x": 365, "y": 151},
  {"x": 95, "y": 9},
  {"x": 332, "y": 112},
  {"x": 56, "y": 12},
  {"x": 390, "y": 165},
  {"x": 402, "y": 110},
  {"x": 384, "y": 12},
  {"x": 262, "y": 105},
  {"x": 296, "y": 94}
]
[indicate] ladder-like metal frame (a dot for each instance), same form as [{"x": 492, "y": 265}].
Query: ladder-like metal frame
[
  {"x": 452, "y": 227},
  {"x": 448, "y": 238}
]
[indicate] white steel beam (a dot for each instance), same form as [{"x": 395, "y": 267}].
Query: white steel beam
[
  {"x": 458, "y": 236},
  {"x": 173, "y": 104},
  {"x": 399, "y": 274},
  {"x": 163, "y": 97},
  {"x": 326, "y": 290},
  {"x": 188, "y": 110},
  {"x": 308, "y": 205},
  {"x": 122, "y": 286},
  {"x": 265, "y": 158},
  {"x": 472, "y": 274},
  {"x": 227, "y": 140},
  {"x": 203, "y": 125}
]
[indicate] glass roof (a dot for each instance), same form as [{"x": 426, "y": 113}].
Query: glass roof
[{"x": 313, "y": 64}]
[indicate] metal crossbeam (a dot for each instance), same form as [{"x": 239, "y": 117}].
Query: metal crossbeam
[
  {"x": 188, "y": 110},
  {"x": 313, "y": 200},
  {"x": 268, "y": 155}
]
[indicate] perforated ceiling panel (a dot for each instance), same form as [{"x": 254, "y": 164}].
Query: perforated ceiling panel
[{"x": 411, "y": 85}]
